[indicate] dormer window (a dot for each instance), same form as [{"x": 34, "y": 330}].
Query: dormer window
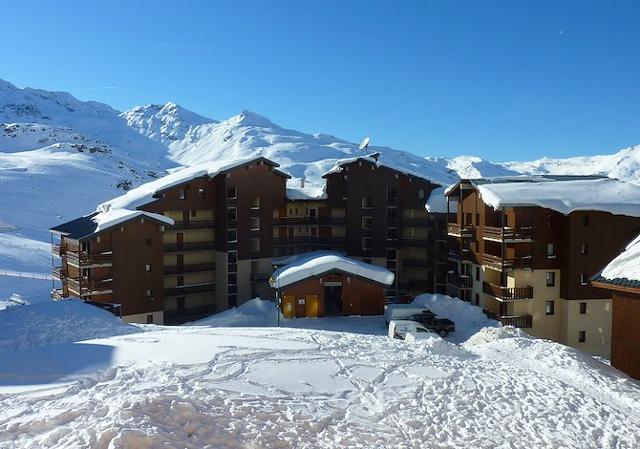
[{"x": 232, "y": 193}]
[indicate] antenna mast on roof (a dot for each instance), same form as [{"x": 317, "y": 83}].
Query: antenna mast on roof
[{"x": 364, "y": 144}]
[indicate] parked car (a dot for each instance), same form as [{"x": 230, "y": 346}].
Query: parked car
[
  {"x": 442, "y": 326},
  {"x": 400, "y": 328},
  {"x": 401, "y": 311}
]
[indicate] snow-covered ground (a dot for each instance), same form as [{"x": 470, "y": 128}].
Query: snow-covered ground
[{"x": 245, "y": 385}]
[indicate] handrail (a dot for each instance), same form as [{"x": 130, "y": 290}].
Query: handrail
[{"x": 507, "y": 293}]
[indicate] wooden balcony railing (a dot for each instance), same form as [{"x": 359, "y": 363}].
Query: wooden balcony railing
[
  {"x": 519, "y": 321},
  {"x": 507, "y": 293},
  {"x": 86, "y": 286},
  {"x": 415, "y": 263},
  {"x": 416, "y": 222},
  {"x": 460, "y": 281},
  {"x": 512, "y": 263},
  {"x": 57, "y": 250},
  {"x": 58, "y": 272},
  {"x": 308, "y": 240},
  {"x": 192, "y": 268},
  {"x": 458, "y": 230},
  {"x": 196, "y": 224},
  {"x": 506, "y": 234},
  {"x": 309, "y": 220},
  {"x": 417, "y": 241},
  {"x": 190, "y": 289},
  {"x": 82, "y": 259},
  {"x": 192, "y": 246},
  {"x": 459, "y": 255}
]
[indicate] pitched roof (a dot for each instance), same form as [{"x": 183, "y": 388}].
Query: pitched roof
[
  {"x": 91, "y": 224},
  {"x": 624, "y": 270},
  {"x": 564, "y": 194},
  {"x": 318, "y": 263}
]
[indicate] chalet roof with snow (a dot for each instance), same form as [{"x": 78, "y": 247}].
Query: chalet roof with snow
[
  {"x": 94, "y": 223},
  {"x": 623, "y": 272},
  {"x": 146, "y": 193},
  {"x": 562, "y": 193},
  {"x": 318, "y": 263}
]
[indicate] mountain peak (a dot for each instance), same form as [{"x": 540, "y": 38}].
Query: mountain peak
[{"x": 248, "y": 118}]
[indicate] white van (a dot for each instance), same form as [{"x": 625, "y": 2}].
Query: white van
[
  {"x": 401, "y": 311},
  {"x": 400, "y": 329}
]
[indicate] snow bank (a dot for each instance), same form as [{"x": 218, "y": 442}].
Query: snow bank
[
  {"x": 56, "y": 322},
  {"x": 490, "y": 334},
  {"x": 468, "y": 318},
  {"x": 317, "y": 263},
  {"x": 626, "y": 265},
  {"x": 253, "y": 313}
]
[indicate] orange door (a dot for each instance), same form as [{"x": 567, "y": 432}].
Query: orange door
[
  {"x": 312, "y": 305},
  {"x": 288, "y": 306}
]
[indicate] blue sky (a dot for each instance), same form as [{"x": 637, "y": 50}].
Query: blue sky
[{"x": 505, "y": 80}]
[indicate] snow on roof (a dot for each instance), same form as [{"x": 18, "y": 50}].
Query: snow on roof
[
  {"x": 437, "y": 202},
  {"x": 320, "y": 262},
  {"x": 113, "y": 217},
  {"x": 144, "y": 194},
  {"x": 564, "y": 194},
  {"x": 624, "y": 270},
  {"x": 311, "y": 192}
]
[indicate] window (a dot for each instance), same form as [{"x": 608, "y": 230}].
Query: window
[
  {"x": 182, "y": 194},
  {"x": 98, "y": 239},
  {"x": 477, "y": 219},
  {"x": 392, "y": 213},
  {"x": 232, "y": 278},
  {"x": 583, "y": 279},
  {"x": 148, "y": 292},
  {"x": 232, "y": 214},
  {"x": 147, "y": 268},
  {"x": 254, "y": 245},
  {"x": 421, "y": 194},
  {"x": 477, "y": 299},
  {"x": 193, "y": 213},
  {"x": 367, "y": 223},
  {"x": 232, "y": 193},
  {"x": 391, "y": 254},
  {"x": 232, "y": 257},
  {"x": 582, "y": 336},
  {"x": 255, "y": 203},
  {"x": 366, "y": 202},
  {"x": 585, "y": 220},
  {"x": 367, "y": 243},
  {"x": 584, "y": 249},
  {"x": 149, "y": 318},
  {"x": 477, "y": 273},
  {"x": 392, "y": 233},
  {"x": 149, "y": 242},
  {"x": 551, "y": 250},
  {"x": 583, "y": 308},
  {"x": 392, "y": 193},
  {"x": 232, "y": 235},
  {"x": 551, "y": 279},
  {"x": 549, "y": 308},
  {"x": 202, "y": 192},
  {"x": 254, "y": 223}
]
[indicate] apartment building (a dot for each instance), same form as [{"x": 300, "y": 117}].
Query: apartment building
[
  {"x": 621, "y": 276},
  {"x": 524, "y": 249},
  {"x": 219, "y": 227}
]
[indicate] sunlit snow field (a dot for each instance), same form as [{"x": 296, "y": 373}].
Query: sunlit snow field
[{"x": 235, "y": 380}]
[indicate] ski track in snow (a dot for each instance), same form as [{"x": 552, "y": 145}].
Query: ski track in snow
[{"x": 347, "y": 390}]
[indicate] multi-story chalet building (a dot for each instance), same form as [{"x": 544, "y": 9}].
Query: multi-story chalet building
[
  {"x": 524, "y": 249},
  {"x": 622, "y": 277},
  {"x": 222, "y": 225}
]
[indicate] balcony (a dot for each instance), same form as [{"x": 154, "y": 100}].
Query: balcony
[
  {"x": 83, "y": 259},
  {"x": 460, "y": 281},
  {"x": 192, "y": 246},
  {"x": 193, "y": 268},
  {"x": 416, "y": 222},
  {"x": 57, "y": 250},
  {"x": 519, "y": 321},
  {"x": 417, "y": 241},
  {"x": 459, "y": 256},
  {"x": 189, "y": 289},
  {"x": 511, "y": 263},
  {"x": 508, "y": 235},
  {"x": 419, "y": 285},
  {"x": 309, "y": 221},
  {"x": 85, "y": 286},
  {"x": 457, "y": 230},
  {"x": 196, "y": 224},
  {"x": 507, "y": 293},
  {"x": 58, "y": 272},
  {"x": 188, "y": 314},
  {"x": 260, "y": 277},
  {"x": 308, "y": 240}
]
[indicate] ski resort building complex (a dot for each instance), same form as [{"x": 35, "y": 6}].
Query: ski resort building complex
[
  {"x": 205, "y": 238},
  {"x": 525, "y": 248}
]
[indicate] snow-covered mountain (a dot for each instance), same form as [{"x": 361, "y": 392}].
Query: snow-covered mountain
[{"x": 60, "y": 156}]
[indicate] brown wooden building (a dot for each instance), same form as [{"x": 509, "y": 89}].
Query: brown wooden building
[
  {"x": 324, "y": 283},
  {"x": 524, "y": 249},
  {"x": 231, "y": 219},
  {"x": 622, "y": 278}
]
